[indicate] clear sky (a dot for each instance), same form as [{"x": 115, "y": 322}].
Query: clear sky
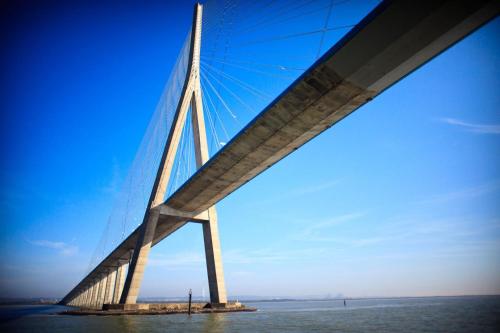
[{"x": 401, "y": 198}]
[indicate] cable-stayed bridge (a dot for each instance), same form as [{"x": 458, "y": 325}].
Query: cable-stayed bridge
[{"x": 302, "y": 88}]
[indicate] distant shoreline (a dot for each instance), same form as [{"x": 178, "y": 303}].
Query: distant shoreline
[
  {"x": 54, "y": 301},
  {"x": 359, "y": 298}
]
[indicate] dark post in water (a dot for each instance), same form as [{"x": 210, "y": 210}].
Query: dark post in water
[{"x": 189, "y": 304}]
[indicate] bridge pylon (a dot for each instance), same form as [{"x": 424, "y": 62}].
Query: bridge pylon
[{"x": 191, "y": 97}]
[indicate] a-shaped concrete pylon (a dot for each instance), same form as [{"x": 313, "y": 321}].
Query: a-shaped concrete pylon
[{"x": 191, "y": 96}]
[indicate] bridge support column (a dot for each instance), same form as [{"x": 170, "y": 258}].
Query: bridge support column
[
  {"x": 119, "y": 281},
  {"x": 98, "y": 291},
  {"x": 108, "y": 292},
  {"x": 210, "y": 229},
  {"x": 85, "y": 297},
  {"x": 102, "y": 290},
  {"x": 93, "y": 293},
  {"x": 140, "y": 259},
  {"x": 214, "y": 259},
  {"x": 89, "y": 296}
]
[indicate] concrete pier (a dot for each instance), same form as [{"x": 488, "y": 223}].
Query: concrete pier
[
  {"x": 93, "y": 295},
  {"x": 86, "y": 297},
  {"x": 160, "y": 309},
  {"x": 213, "y": 259},
  {"x": 108, "y": 292},
  {"x": 119, "y": 281},
  {"x": 140, "y": 259},
  {"x": 98, "y": 293},
  {"x": 104, "y": 283}
]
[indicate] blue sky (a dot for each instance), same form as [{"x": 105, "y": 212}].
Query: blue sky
[{"x": 401, "y": 198}]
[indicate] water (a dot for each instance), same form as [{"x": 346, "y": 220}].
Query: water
[{"x": 433, "y": 314}]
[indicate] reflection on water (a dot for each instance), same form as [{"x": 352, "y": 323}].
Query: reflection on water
[
  {"x": 214, "y": 322},
  {"x": 440, "y": 314},
  {"x": 13, "y": 312},
  {"x": 127, "y": 324}
]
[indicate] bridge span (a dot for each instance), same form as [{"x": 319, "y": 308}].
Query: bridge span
[{"x": 396, "y": 38}]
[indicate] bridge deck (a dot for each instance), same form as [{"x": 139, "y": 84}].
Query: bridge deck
[
  {"x": 391, "y": 42},
  {"x": 386, "y": 46}
]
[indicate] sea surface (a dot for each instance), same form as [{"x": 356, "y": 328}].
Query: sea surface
[{"x": 430, "y": 314}]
